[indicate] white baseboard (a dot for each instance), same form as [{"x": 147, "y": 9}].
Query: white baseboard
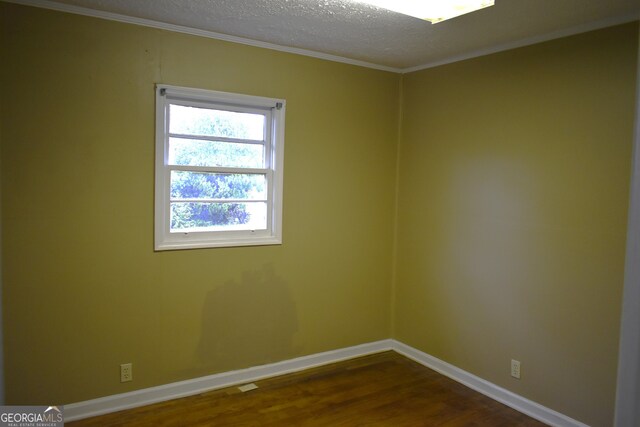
[
  {"x": 147, "y": 396},
  {"x": 519, "y": 403}
]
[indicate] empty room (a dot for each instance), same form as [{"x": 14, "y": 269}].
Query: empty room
[{"x": 302, "y": 212}]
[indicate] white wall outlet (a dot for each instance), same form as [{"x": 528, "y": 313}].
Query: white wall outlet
[
  {"x": 515, "y": 369},
  {"x": 126, "y": 372}
]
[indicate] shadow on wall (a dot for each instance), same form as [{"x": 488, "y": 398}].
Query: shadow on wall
[{"x": 248, "y": 323}]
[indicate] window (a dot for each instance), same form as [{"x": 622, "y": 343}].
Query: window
[{"x": 218, "y": 169}]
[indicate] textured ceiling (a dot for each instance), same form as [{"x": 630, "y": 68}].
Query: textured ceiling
[{"x": 377, "y": 36}]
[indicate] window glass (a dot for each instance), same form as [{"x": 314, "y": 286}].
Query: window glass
[
  {"x": 220, "y": 123},
  {"x": 198, "y": 217},
  {"x": 194, "y": 152},
  {"x": 199, "y": 185}
]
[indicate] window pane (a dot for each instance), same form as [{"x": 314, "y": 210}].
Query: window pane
[
  {"x": 193, "y": 152},
  {"x": 209, "y": 122},
  {"x": 194, "y": 217},
  {"x": 198, "y": 185}
]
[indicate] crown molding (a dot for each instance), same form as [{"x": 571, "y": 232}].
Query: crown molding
[
  {"x": 597, "y": 25},
  {"x": 78, "y": 10}
]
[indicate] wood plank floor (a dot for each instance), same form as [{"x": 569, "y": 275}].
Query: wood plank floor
[{"x": 384, "y": 389}]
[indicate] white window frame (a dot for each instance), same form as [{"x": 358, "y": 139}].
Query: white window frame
[{"x": 274, "y": 111}]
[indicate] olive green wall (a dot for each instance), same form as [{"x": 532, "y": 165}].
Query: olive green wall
[
  {"x": 84, "y": 290},
  {"x": 514, "y": 183}
]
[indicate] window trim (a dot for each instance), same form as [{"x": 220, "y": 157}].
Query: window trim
[{"x": 274, "y": 156}]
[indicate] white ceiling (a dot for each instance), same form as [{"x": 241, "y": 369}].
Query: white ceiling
[{"x": 357, "y": 33}]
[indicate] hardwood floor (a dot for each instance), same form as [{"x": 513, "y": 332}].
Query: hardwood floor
[{"x": 384, "y": 389}]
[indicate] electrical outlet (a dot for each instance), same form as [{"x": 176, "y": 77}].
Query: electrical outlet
[
  {"x": 126, "y": 372},
  {"x": 515, "y": 369}
]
